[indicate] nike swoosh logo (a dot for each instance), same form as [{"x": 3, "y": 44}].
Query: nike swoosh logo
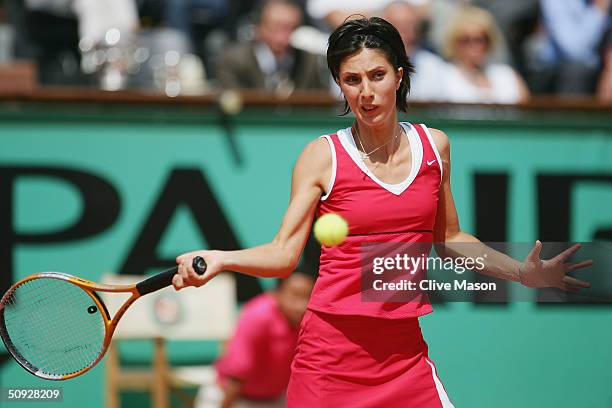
[{"x": 429, "y": 163}]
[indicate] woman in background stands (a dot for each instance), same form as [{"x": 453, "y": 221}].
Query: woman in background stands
[{"x": 472, "y": 37}]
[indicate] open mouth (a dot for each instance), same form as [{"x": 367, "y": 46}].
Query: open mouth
[{"x": 369, "y": 109}]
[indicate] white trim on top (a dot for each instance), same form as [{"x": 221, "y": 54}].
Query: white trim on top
[
  {"x": 435, "y": 150},
  {"x": 444, "y": 400},
  {"x": 332, "y": 178},
  {"x": 416, "y": 147}
]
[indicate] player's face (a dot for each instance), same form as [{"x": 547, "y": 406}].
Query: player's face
[{"x": 369, "y": 82}]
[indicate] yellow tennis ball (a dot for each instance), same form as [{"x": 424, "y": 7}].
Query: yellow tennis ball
[{"x": 331, "y": 229}]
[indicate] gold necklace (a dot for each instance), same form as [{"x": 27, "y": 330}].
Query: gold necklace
[{"x": 365, "y": 155}]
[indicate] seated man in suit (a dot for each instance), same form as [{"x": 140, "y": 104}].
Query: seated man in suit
[{"x": 269, "y": 62}]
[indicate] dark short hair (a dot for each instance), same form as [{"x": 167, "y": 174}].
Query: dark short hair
[{"x": 375, "y": 33}]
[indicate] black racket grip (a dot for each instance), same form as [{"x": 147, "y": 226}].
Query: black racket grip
[{"x": 163, "y": 279}]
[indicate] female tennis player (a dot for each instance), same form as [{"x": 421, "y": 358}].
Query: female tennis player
[{"x": 391, "y": 181}]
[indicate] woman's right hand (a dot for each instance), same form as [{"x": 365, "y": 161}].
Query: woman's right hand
[{"x": 187, "y": 276}]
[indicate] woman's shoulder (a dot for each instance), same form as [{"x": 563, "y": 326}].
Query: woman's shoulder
[
  {"x": 316, "y": 157},
  {"x": 318, "y": 149},
  {"x": 438, "y": 136},
  {"x": 440, "y": 139}
]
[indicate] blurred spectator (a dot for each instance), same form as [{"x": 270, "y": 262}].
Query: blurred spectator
[
  {"x": 254, "y": 370},
  {"x": 444, "y": 11},
  {"x": 506, "y": 12},
  {"x": 54, "y": 33},
  {"x": 180, "y": 14},
  {"x": 565, "y": 56},
  {"x": 96, "y": 17},
  {"x": 326, "y": 15},
  {"x": 425, "y": 83},
  {"x": 517, "y": 20},
  {"x": 240, "y": 19},
  {"x": 106, "y": 30},
  {"x": 329, "y": 14},
  {"x": 6, "y": 37},
  {"x": 471, "y": 78},
  {"x": 203, "y": 22},
  {"x": 604, "y": 89},
  {"x": 101, "y": 42},
  {"x": 47, "y": 32},
  {"x": 269, "y": 61}
]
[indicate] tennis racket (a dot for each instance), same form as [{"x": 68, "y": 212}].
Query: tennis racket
[{"x": 56, "y": 326}]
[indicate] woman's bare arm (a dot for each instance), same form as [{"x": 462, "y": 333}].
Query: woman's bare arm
[
  {"x": 279, "y": 257},
  {"x": 452, "y": 241}
]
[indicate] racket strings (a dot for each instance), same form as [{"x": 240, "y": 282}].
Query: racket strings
[
  {"x": 57, "y": 352},
  {"x": 25, "y": 336},
  {"x": 54, "y": 326},
  {"x": 60, "y": 352},
  {"x": 55, "y": 355}
]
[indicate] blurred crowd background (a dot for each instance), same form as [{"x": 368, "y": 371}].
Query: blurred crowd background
[{"x": 479, "y": 51}]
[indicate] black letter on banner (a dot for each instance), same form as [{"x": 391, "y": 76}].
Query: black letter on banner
[
  {"x": 554, "y": 205},
  {"x": 100, "y": 210},
  {"x": 186, "y": 187},
  {"x": 491, "y": 208}
]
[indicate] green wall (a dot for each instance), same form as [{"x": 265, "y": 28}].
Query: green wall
[{"x": 517, "y": 355}]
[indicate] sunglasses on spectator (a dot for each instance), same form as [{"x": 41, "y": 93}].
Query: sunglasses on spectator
[{"x": 473, "y": 39}]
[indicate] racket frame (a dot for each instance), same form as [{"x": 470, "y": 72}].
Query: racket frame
[
  {"x": 144, "y": 287},
  {"x": 90, "y": 288}
]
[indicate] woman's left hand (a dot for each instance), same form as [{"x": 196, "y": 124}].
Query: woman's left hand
[{"x": 552, "y": 273}]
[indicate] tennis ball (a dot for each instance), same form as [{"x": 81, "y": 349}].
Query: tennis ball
[{"x": 331, "y": 229}]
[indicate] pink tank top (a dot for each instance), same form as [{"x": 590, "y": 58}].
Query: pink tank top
[{"x": 376, "y": 212}]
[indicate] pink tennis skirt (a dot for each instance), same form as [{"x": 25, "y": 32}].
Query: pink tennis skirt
[{"x": 363, "y": 362}]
